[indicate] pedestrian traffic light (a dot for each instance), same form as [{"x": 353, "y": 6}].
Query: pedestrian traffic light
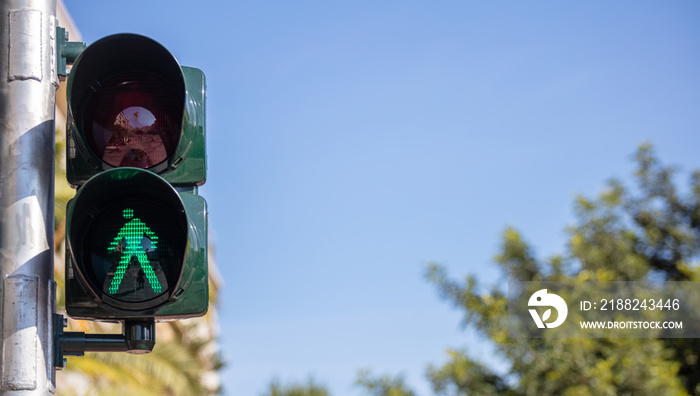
[{"x": 136, "y": 230}]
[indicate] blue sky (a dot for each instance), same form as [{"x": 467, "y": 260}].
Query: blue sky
[{"x": 350, "y": 143}]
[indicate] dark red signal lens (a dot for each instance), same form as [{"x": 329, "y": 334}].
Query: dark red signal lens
[{"x": 133, "y": 119}]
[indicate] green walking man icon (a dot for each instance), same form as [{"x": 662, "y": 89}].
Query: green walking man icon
[{"x": 132, "y": 232}]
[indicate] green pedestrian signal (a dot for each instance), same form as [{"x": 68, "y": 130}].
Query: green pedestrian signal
[
  {"x": 136, "y": 230},
  {"x": 132, "y": 233}
]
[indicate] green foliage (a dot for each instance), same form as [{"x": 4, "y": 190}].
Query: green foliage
[
  {"x": 383, "y": 385},
  {"x": 461, "y": 375},
  {"x": 168, "y": 370},
  {"x": 311, "y": 388},
  {"x": 650, "y": 230}
]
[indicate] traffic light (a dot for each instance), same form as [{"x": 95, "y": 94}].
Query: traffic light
[{"x": 136, "y": 230}]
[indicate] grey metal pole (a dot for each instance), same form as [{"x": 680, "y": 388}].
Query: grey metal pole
[{"x": 28, "y": 83}]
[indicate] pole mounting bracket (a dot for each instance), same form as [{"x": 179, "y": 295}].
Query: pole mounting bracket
[
  {"x": 67, "y": 51},
  {"x": 138, "y": 337}
]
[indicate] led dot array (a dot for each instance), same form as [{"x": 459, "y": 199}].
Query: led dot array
[{"x": 132, "y": 234}]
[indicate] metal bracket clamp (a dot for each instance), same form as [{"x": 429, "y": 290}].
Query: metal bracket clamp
[
  {"x": 67, "y": 51},
  {"x": 138, "y": 337}
]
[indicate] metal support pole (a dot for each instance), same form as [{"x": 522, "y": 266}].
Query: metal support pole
[{"x": 28, "y": 83}]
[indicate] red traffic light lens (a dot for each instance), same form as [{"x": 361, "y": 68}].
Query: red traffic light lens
[{"x": 133, "y": 119}]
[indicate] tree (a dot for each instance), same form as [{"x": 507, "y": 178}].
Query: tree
[
  {"x": 383, "y": 386},
  {"x": 649, "y": 230},
  {"x": 311, "y": 388}
]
